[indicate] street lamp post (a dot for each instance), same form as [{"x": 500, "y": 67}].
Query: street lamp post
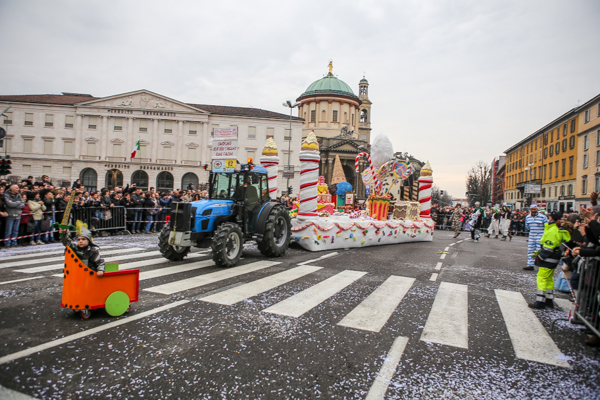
[{"x": 291, "y": 106}]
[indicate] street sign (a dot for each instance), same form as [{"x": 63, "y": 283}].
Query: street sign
[
  {"x": 288, "y": 174},
  {"x": 229, "y": 133},
  {"x": 533, "y": 189},
  {"x": 225, "y": 149}
]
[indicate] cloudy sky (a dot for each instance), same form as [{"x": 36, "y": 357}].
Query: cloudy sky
[{"x": 452, "y": 82}]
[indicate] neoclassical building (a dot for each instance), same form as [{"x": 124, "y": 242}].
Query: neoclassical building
[
  {"x": 341, "y": 121},
  {"x": 73, "y": 136}
]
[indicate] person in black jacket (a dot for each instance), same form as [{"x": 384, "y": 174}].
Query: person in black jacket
[
  {"x": 149, "y": 211},
  {"x": 50, "y": 214},
  {"x": 137, "y": 204}
]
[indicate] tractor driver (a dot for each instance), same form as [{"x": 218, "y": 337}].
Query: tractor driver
[{"x": 251, "y": 202}]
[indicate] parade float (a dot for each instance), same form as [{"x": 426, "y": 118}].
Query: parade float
[{"x": 384, "y": 221}]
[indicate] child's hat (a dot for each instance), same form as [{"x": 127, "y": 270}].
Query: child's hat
[{"x": 86, "y": 234}]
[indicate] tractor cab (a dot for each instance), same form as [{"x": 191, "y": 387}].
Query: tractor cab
[{"x": 248, "y": 189}]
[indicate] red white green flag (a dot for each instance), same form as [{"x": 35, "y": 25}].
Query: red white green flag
[{"x": 136, "y": 148}]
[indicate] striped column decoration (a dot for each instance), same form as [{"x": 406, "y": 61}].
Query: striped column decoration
[
  {"x": 270, "y": 160},
  {"x": 309, "y": 176},
  {"x": 425, "y": 184}
]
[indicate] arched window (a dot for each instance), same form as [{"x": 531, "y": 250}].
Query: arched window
[
  {"x": 188, "y": 178},
  {"x": 164, "y": 182},
  {"x": 140, "y": 178},
  {"x": 114, "y": 178},
  {"x": 323, "y": 115},
  {"x": 89, "y": 179}
]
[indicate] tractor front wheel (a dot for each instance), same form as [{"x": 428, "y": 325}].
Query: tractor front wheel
[
  {"x": 170, "y": 252},
  {"x": 278, "y": 231},
  {"x": 227, "y": 245}
]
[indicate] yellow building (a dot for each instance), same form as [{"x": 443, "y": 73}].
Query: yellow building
[
  {"x": 588, "y": 150},
  {"x": 554, "y": 157}
]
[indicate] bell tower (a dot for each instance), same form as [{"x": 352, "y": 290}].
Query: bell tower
[{"x": 364, "y": 126}]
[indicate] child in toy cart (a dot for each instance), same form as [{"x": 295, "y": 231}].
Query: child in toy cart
[{"x": 85, "y": 249}]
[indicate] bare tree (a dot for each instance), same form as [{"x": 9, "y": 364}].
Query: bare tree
[{"x": 478, "y": 183}]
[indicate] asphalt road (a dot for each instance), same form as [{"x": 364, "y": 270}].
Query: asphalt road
[{"x": 394, "y": 322}]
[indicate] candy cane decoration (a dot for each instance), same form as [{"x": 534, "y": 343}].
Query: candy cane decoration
[
  {"x": 371, "y": 172},
  {"x": 270, "y": 160},
  {"x": 425, "y": 184},
  {"x": 309, "y": 176}
]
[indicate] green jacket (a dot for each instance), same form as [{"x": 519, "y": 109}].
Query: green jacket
[{"x": 554, "y": 236}]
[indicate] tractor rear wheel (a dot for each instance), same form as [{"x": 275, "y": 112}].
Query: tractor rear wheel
[
  {"x": 227, "y": 245},
  {"x": 278, "y": 231},
  {"x": 170, "y": 252}
]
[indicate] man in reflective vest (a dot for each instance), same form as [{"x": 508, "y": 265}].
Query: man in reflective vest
[{"x": 547, "y": 260}]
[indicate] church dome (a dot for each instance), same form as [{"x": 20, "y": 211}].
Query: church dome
[{"x": 329, "y": 84}]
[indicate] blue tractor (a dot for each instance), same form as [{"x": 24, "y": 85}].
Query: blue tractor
[{"x": 238, "y": 209}]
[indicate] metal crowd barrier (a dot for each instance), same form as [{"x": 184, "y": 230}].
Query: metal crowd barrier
[
  {"x": 89, "y": 215},
  {"x": 588, "y": 295}
]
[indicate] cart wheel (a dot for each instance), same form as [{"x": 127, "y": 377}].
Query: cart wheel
[
  {"x": 86, "y": 314},
  {"x": 117, "y": 303}
]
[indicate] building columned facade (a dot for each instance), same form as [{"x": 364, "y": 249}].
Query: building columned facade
[
  {"x": 563, "y": 157},
  {"x": 78, "y": 136},
  {"x": 341, "y": 121}
]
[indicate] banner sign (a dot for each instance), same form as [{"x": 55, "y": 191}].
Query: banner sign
[
  {"x": 225, "y": 149},
  {"x": 229, "y": 133}
]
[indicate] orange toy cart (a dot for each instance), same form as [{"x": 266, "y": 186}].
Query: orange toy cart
[{"x": 84, "y": 291}]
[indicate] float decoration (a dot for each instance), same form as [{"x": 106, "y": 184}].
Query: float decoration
[
  {"x": 309, "y": 174},
  {"x": 357, "y": 228},
  {"x": 270, "y": 160}
]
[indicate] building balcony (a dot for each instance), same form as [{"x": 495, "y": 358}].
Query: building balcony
[
  {"x": 165, "y": 161},
  {"x": 117, "y": 159},
  {"x": 93, "y": 158}
]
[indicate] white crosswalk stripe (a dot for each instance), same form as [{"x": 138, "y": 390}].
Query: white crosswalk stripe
[
  {"x": 147, "y": 263},
  {"x": 373, "y": 312},
  {"x": 42, "y": 253},
  {"x": 175, "y": 269},
  {"x": 308, "y": 299},
  {"x": 448, "y": 321},
  {"x": 207, "y": 279},
  {"x": 237, "y": 294},
  {"x": 51, "y": 267},
  {"x": 528, "y": 336},
  {"x": 42, "y": 259}
]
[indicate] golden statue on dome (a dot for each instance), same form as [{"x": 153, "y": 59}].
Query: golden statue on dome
[{"x": 330, "y": 67}]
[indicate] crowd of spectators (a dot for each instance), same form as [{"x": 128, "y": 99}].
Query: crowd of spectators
[
  {"x": 28, "y": 209},
  {"x": 443, "y": 218}
]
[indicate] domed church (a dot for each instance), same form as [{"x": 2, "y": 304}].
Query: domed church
[{"x": 341, "y": 121}]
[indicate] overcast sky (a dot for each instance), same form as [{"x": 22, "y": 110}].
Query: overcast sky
[{"x": 452, "y": 82}]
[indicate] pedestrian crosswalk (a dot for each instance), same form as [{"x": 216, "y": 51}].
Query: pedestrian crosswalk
[{"x": 447, "y": 319}]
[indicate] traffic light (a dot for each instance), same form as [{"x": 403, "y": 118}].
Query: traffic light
[
  {"x": 442, "y": 192},
  {"x": 290, "y": 189},
  {"x": 5, "y": 165}
]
